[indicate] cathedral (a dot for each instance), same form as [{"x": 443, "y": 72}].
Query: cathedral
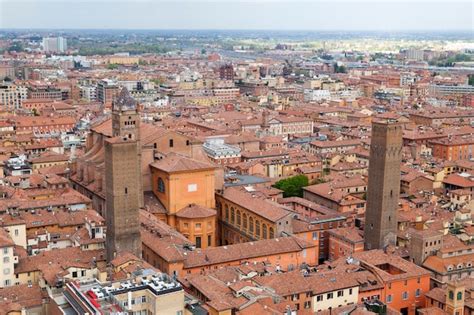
[{"x": 175, "y": 179}]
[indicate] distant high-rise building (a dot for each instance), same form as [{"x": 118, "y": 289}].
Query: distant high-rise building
[
  {"x": 384, "y": 184},
  {"x": 106, "y": 91},
  {"x": 7, "y": 72},
  {"x": 226, "y": 72},
  {"x": 54, "y": 44},
  {"x": 11, "y": 96},
  {"x": 415, "y": 54},
  {"x": 124, "y": 193}
]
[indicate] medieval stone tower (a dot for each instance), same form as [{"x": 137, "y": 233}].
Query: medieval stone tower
[
  {"x": 123, "y": 184},
  {"x": 384, "y": 184},
  {"x": 125, "y": 118}
]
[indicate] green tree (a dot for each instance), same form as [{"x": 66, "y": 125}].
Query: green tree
[
  {"x": 292, "y": 186},
  {"x": 339, "y": 69},
  {"x": 471, "y": 79},
  {"x": 16, "y": 46},
  {"x": 112, "y": 66}
]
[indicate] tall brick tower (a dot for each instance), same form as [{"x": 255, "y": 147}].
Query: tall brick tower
[
  {"x": 384, "y": 184},
  {"x": 125, "y": 118},
  {"x": 123, "y": 183}
]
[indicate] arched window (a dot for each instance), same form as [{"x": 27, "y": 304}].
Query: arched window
[
  {"x": 459, "y": 296},
  {"x": 451, "y": 295},
  {"x": 264, "y": 231},
  {"x": 272, "y": 233},
  {"x": 251, "y": 224},
  {"x": 227, "y": 213},
  {"x": 161, "y": 185},
  {"x": 232, "y": 215},
  {"x": 257, "y": 228},
  {"x": 245, "y": 220},
  {"x": 238, "y": 218}
]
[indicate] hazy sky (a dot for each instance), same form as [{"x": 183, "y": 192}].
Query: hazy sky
[{"x": 234, "y": 14}]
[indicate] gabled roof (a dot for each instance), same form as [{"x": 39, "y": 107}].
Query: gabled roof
[{"x": 178, "y": 163}]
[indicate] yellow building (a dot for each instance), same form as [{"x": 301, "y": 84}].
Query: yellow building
[
  {"x": 123, "y": 60},
  {"x": 9, "y": 258}
]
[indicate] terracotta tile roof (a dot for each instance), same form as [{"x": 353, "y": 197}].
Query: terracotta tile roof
[
  {"x": 335, "y": 144},
  {"x": 103, "y": 127},
  {"x": 60, "y": 198},
  {"x": 177, "y": 163},
  {"x": 217, "y": 292},
  {"x": 243, "y": 251},
  {"x": 453, "y": 244},
  {"x": 440, "y": 265},
  {"x": 161, "y": 238},
  {"x": 61, "y": 218},
  {"x": 5, "y": 239},
  {"x": 17, "y": 297},
  {"x": 50, "y": 157},
  {"x": 258, "y": 205},
  {"x": 30, "y": 121},
  {"x": 338, "y": 195},
  {"x": 152, "y": 204},
  {"x": 350, "y": 234},
  {"x": 437, "y": 294},
  {"x": 294, "y": 282},
  {"x": 60, "y": 258},
  {"x": 82, "y": 237},
  {"x": 194, "y": 211},
  {"x": 458, "y": 180},
  {"x": 376, "y": 258},
  {"x": 169, "y": 248}
]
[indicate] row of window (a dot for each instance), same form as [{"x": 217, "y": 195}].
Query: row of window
[
  {"x": 247, "y": 222},
  {"x": 198, "y": 241},
  {"x": 405, "y": 295},
  {"x": 137, "y": 300},
  {"x": 197, "y": 226},
  {"x": 75, "y": 274},
  {"x": 329, "y": 296}
]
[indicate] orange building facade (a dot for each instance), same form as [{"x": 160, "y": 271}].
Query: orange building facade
[
  {"x": 405, "y": 283},
  {"x": 453, "y": 148},
  {"x": 185, "y": 187},
  {"x": 288, "y": 253},
  {"x": 343, "y": 242}
]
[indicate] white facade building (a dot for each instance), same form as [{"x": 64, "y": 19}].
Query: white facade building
[{"x": 54, "y": 44}]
